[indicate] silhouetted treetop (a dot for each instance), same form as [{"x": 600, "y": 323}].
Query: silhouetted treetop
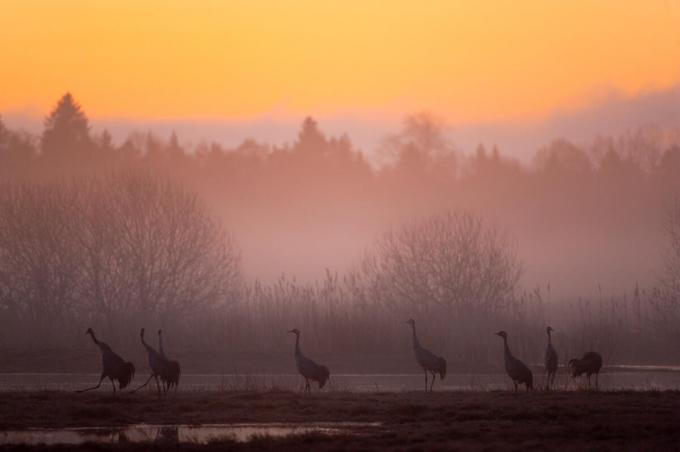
[
  {"x": 563, "y": 157},
  {"x": 67, "y": 130},
  {"x": 422, "y": 142},
  {"x": 310, "y": 138}
]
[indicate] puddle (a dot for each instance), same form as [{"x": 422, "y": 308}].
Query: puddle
[{"x": 147, "y": 433}]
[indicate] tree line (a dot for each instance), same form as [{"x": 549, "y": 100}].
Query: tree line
[{"x": 120, "y": 236}]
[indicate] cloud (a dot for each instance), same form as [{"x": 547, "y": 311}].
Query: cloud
[{"x": 612, "y": 115}]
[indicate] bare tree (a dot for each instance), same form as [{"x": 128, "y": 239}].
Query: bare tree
[
  {"x": 667, "y": 295},
  {"x": 121, "y": 250},
  {"x": 452, "y": 260},
  {"x": 39, "y": 258},
  {"x": 153, "y": 250}
]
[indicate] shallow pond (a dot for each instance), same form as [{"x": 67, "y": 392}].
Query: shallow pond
[{"x": 146, "y": 433}]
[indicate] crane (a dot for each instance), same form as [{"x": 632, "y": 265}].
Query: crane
[
  {"x": 172, "y": 371},
  {"x": 426, "y": 359},
  {"x": 590, "y": 363},
  {"x": 113, "y": 366},
  {"x": 156, "y": 362},
  {"x": 551, "y": 361},
  {"x": 308, "y": 368},
  {"x": 516, "y": 369}
]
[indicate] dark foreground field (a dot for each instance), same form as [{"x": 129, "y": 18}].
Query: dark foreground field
[{"x": 408, "y": 421}]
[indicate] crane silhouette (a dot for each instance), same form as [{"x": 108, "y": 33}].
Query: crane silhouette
[
  {"x": 156, "y": 363},
  {"x": 171, "y": 371},
  {"x": 516, "y": 369},
  {"x": 113, "y": 366},
  {"x": 551, "y": 361},
  {"x": 426, "y": 359},
  {"x": 308, "y": 368},
  {"x": 589, "y": 364}
]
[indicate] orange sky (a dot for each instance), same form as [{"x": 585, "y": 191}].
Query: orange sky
[{"x": 466, "y": 60}]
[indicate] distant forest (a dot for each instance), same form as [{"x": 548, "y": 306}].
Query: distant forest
[{"x": 245, "y": 243}]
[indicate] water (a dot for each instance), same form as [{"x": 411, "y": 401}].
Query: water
[
  {"x": 614, "y": 377},
  {"x": 146, "y": 433}
]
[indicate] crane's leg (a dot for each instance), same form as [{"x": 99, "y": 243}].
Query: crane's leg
[
  {"x": 515, "y": 383},
  {"x": 308, "y": 389},
  {"x": 93, "y": 387},
  {"x": 113, "y": 384},
  {"x": 145, "y": 383},
  {"x": 588, "y": 381},
  {"x": 432, "y": 383},
  {"x": 425, "y": 379}
]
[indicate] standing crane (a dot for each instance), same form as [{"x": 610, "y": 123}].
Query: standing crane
[
  {"x": 113, "y": 366},
  {"x": 308, "y": 368},
  {"x": 156, "y": 362},
  {"x": 551, "y": 361},
  {"x": 589, "y": 364},
  {"x": 426, "y": 359},
  {"x": 172, "y": 371},
  {"x": 516, "y": 369}
]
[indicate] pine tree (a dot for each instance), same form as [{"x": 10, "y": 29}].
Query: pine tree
[
  {"x": 67, "y": 131},
  {"x": 310, "y": 139}
]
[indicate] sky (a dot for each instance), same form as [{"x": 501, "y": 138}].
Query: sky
[{"x": 351, "y": 62}]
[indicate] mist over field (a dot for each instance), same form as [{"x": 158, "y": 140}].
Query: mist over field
[{"x": 245, "y": 242}]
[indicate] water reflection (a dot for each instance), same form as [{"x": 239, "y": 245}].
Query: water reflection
[
  {"x": 146, "y": 433},
  {"x": 611, "y": 378}
]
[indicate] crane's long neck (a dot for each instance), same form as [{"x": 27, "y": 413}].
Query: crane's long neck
[
  {"x": 91, "y": 333},
  {"x": 160, "y": 343},
  {"x": 506, "y": 349},
  {"x": 416, "y": 344},
  {"x": 148, "y": 348},
  {"x": 297, "y": 344}
]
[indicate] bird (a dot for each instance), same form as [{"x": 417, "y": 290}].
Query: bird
[
  {"x": 589, "y": 364},
  {"x": 172, "y": 371},
  {"x": 308, "y": 368},
  {"x": 551, "y": 361},
  {"x": 426, "y": 359},
  {"x": 113, "y": 366},
  {"x": 156, "y": 362},
  {"x": 516, "y": 369}
]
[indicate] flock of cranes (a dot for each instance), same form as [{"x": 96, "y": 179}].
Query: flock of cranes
[
  {"x": 166, "y": 371},
  {"x": 117, "y": 370},
  {"x": 590, "y": 364}
]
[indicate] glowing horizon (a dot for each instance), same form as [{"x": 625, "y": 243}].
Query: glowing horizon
[{"x": 463, "y": 60}]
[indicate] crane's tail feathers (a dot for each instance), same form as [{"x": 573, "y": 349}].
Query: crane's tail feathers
[
  {"x": 127, "y": 374},
  {"x": 442, "y": 368},
  {"x": 324, "y": 375},
  {"x": 176, "y": 374}
]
